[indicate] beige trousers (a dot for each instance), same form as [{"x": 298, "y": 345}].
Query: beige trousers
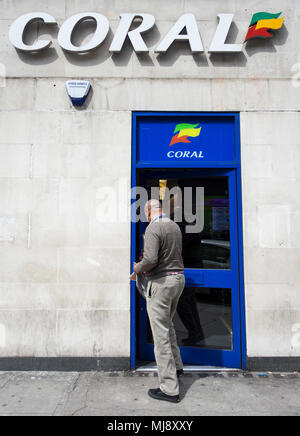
[{"x": 162, "y": 299}]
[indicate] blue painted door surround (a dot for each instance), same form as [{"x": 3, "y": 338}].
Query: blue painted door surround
[{"x": 165, "y": 146}]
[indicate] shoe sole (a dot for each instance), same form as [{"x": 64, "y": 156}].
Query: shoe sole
[{"x": 164, "y": 399}]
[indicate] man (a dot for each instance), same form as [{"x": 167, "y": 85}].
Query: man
[{"x": 162, "y": 262}]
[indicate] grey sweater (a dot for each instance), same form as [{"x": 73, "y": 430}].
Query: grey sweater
[{"x": 162, "y": 249}]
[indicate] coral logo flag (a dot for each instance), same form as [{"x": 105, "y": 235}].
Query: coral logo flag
[
  {"x": 185, "y": 131},
  {"x": 262, "y": 23}
]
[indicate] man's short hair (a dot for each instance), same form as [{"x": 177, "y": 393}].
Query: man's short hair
[{"x": 152, "y": 205}]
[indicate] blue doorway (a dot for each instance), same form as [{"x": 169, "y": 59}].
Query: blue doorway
[{"x": 195, "y": 153}]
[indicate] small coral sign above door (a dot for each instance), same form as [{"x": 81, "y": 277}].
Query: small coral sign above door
[{"x": 184, "y": 131}]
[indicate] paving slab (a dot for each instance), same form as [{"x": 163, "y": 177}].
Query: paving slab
[{"x": 125, "y": 394}]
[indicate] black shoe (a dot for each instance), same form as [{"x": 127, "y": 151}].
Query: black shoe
[
  {"x": 157, "y": 394},
  {"x": 180, "y": 373}
]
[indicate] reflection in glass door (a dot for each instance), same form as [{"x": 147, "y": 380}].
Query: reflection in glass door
[
  {"x": 207, "y": 321},
  {"x": 203, "y": 319}
]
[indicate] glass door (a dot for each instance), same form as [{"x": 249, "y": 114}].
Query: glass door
[{"x": 207, "y": 322}]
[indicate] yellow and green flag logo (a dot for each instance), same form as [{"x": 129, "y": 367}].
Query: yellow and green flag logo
[
  {"x": 185, "y": 131},
  {"x": 262, "y": 23}
]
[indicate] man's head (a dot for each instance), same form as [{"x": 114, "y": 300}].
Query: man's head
[{"x": 152, "y": 209}]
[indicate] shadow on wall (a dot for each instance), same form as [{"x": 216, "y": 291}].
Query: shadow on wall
[
  {"x": 180, "y": 49},
  {"x": 38, "y": 30},
  {"x": 83, "y": 33},
  {"x": 233, "y": 59},
  {"x": 267, "y": 45}
]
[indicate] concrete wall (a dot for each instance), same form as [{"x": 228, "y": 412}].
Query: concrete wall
[
  {"x": 64, "y": 275},
  {"x": 64, "y": 287}
]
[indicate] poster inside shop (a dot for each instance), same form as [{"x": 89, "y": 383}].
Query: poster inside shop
[{"x": 218, "y": 208}]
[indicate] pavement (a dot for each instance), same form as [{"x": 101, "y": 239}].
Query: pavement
[{"x": 125, "y": 394}]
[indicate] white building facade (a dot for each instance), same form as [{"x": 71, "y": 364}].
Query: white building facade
[{"x": 65, "y": 295}]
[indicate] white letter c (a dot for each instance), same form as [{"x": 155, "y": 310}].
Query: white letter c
[{"x": 17, "y": 30}]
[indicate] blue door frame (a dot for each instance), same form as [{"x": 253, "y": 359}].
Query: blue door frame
[{"x": 233, "y": 278}]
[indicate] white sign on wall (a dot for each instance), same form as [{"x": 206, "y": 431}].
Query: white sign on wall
[{"x": 186, "y": 22}]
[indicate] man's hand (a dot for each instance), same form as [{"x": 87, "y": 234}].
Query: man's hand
[{"x": 133, "y": 275}]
